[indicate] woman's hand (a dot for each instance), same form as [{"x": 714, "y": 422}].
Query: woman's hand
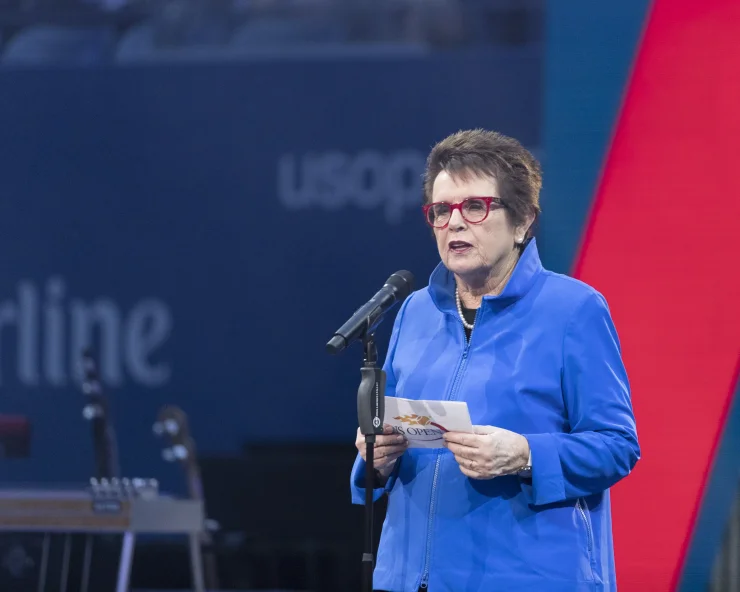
[
  {"x": 388, "y": 447},
  {"x": 488, "y": 452}
]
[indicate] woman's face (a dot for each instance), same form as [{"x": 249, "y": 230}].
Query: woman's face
[{"x": 469, "y": 250}]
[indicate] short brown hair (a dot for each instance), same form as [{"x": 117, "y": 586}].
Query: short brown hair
[{"x": 480, "y": 152}]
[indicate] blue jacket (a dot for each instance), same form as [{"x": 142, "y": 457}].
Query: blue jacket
[{"x": 544, "y": 361}]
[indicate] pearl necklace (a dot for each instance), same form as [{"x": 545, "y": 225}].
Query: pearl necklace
[{"x": 467, "y": 325}]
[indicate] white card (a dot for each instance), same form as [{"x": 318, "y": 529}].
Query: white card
[{"x": 424, "y": 422}]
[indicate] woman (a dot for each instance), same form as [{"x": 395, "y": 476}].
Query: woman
[{"x": 523, "y": 503}]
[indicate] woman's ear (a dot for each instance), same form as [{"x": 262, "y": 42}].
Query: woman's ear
[{"x": 521, "y": 232}]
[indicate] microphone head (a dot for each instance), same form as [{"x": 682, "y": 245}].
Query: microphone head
[
  {"x": 402, "y": 282},
  {"x": 336, "y": 344}
]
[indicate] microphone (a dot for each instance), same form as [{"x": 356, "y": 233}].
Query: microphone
[{"x": 367, "y": 317}]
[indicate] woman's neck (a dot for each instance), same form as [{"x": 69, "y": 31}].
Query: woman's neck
[{"x": 473, "y": 289}]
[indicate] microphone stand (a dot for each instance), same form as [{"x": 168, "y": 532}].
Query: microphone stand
[{"x": 370, "y": 413}]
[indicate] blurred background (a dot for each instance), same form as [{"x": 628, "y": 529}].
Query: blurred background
[{"x": 202, "y": 191}]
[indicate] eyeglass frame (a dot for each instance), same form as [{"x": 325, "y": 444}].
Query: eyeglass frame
[{"x": 458, "y": 206}]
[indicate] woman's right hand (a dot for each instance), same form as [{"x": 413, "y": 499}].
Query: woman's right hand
[{"x": 388, "y": 447}]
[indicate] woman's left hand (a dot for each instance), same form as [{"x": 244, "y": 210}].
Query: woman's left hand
[{"x": 489, "y": 452}]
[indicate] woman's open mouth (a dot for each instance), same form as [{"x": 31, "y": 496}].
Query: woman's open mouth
[{"x": 459, "y": 247}]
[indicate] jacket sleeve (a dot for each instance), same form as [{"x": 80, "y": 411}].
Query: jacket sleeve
[
  {"x": 601, "y": 447},
  {"x": 357, "y": 478}
]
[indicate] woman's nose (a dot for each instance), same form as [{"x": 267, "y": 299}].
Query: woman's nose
[{"x": 456, "y": 219}]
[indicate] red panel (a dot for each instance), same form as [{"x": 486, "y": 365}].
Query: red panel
[{"x": 663, "y": 247}]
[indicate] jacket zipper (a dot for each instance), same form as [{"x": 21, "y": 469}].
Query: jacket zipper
[
  {"x": 424, "y": 584},
  {"x": 425, "y": 572},
  {"x": 579, "y": 506}
]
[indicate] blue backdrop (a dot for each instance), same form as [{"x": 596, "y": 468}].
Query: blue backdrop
[{"x": 208, "y": 227}]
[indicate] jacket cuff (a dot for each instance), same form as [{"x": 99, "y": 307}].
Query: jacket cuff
[
  {"x": 546, "y": 484},
  {"x": 357, "y": 482}
]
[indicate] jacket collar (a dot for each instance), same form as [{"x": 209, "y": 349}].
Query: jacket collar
[{"x": 528, "y": 268}]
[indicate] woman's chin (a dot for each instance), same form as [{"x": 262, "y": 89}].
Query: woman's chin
[{"x": 464, "y": 268}]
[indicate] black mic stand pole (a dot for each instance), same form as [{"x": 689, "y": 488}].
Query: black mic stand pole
[{"x": 370, "y": 413}]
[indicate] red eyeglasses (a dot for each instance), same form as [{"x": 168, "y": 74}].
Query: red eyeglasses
[{"x": 473, "y": 210}]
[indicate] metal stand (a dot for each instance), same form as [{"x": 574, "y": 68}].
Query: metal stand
[
  {"x": 87, "y": 562},
  {"x": 44, "y": 562},
  {"x": 65, "y": 562},
  {"x": 370, "y": 413},
  {"x": 196, "y": 562},
  {"x": 127, "y": 559}
]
